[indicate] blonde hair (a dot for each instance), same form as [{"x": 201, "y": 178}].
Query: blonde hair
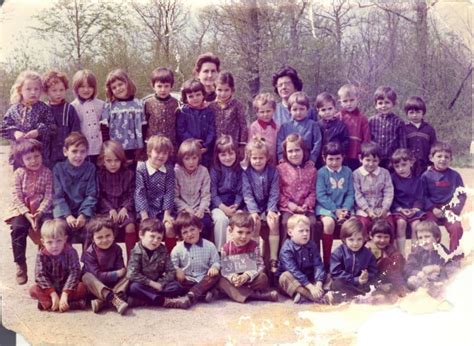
[
  {"x": 189, "y": 147},
  {"x": 54, "y": 228},
  {"x": 348, "y": 90},
  {"x": 15, "y": 91},
  {"x": 297, "y": 218},
  {"x": 256, "y": 143},
  {"x": 262, "y": 99},
  {"x": 80, "y": 78},
  {"x": 159, "y": 143}
]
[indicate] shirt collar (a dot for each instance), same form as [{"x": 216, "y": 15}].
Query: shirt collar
[
  {"x": 188, "y": 246},
  {"x": 364, "y": 172},
  {"x": 333, "y": 171},
  {"x": 151, "y": 170},
  {"x": 416, "y": 125}
]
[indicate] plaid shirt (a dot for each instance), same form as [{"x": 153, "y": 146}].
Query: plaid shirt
[
  {"x": 116, "y": 190},
  {"x": 195, "y": 259},
  {"x": 372, "y": 190},
  {"x": 230, "y": 120},
  {"x": 192, "y": 191},
  {"x": 389, "y": 132}
]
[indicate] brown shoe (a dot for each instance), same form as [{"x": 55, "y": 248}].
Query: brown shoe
[
  {"x": 119, "y": 304},
  {"x": 77, "y": 304},
  {"x": 177, "y": 303},
  {"x": 271, "y": 296},
  {"x": 21, "y": 274}
]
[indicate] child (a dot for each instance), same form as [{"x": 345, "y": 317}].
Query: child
[
  {"x": 195, "y": 120},
  {"x": 193, "y": 184},
  {"x": 116, "y": 191},
  {"x": 240, "y": 285},
  {"x": 230, "y": 115},
  {"x": 308, "y": 129},
  {"x": 104, "y": 270},
  {"x": 57, "y": 271},
  {"x": 373, "y": 186},
  {"x": 386, "y": 128},
  {"x": 408, "y": 195},
  {"x": 297, "y": 185},
  {"x": 261, "y": 191},
  {"x": 420, "y": 135},
  {"x": 31, "y": 201},
  {"x": 161, "y": 107},
  {"x": 195, "y": 259},
  {"x": 226, "y": 187},
  {"x": 443, "y": 193},
  {"x": 301, "y": 273},
  {"x": 356, "y": 123},
  {"x": 28, "y": 117},
  {"x": 123, "y": 113},
  {"x": 353, "y": 267},
  {"x": 155, "y": 184},
  {"x": 265, "y": 127},
  {"x": 334, "y": 193},
  {"x": 151, "y": 272},
  {"x": 55, "y": 85},
  {"x": 75, "y": 187},
  {"x": 89, "y": 110}
]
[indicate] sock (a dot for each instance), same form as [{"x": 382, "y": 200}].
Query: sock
[
  {"x": 261, "y": 246},
  {"x": 170, "y": 243},
  {"x": 401, "y": 245},
  {"x": 274, "y": 241},
  {"x": 130, "y": 240},
  {"x": 327, "y": 246}
]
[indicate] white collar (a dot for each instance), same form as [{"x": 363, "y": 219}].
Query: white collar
[
  {"x": 364, "y": 172},
  {"x": 333, "y": 171},
  {"x": 416, "y": 125},
  {"x": 152, "y": 170}
]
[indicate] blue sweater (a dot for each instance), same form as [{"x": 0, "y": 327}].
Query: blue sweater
[
  {"x": 348, "y": 265},
  {"x": 198, "y": 124},
  {"x": 408, "y": 192},
  {"x": 226, "y": 186},
  {"x": 334, "y": 190},
  {"x": 439, "y": 187},
  {"x": 261, "y": 190}
]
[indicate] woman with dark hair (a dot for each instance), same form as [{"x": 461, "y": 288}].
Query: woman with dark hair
[{"x": 206, "y": 68}]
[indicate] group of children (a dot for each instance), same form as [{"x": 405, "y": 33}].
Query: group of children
[{"x": 98, "y": 187}]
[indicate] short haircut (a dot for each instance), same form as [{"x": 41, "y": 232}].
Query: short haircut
[
  {"x": 186, "y": 219},
  {"x": 297, "y": 218},
  {"x": 115, "y": 148},
  {"x": 381, "y": 226},
  {"x": 351, "y": 226},
  {"x": 370, "y": 149},
  {"x": 256, "y": 143},
  {"x": 298, "y": 140},
  {"x": 119, "y": 75},
  {"x": 287, "y": 71},
  {"x": 225, "y": 143},
  {"x": 300, "y": 98},
  {"x": 323, "y": 98},
  {"x": 242, "y": 219},
  {"x": 53, "y": 77},
  {"x": 348, "y": 90},
  {"x": 23, "y": 147},
  {"x": 263, "y": 99},
  {"x": 402, "y": 154},
  {"x": 192, "y": 86},
  {"x": 225, "y": 77},
  {"x": 151, "y": 225},
  {"x": 54, "y": 228},
  {"x": 82, "y": 77},
  {"x": 75, "y": 139},
  {"x": 162, "y": 75},
  {"x": 159, "y": 143},
  {"x": 206, "y": 57},
  {"x": 441, "y": 146},
  {"x": 429, "y": 226},
  {"x": 97, "y": 223},
  {"x": 189, "y": 147},
  {"x": 383, "y": 92},
  {"x": 415, "y": 103},
  {"x": 332, "y": 148},
  {"x": 15, "y": 91}
]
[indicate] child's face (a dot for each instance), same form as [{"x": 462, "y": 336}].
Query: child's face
[
  {"x": 111, "y": 162},
  {"x": 426, "y": 239},
  {"x": 32, "y": 160},
  {"x": 76, "y": 154},
  {"x": 85, "y": 91},
  {"x": 334, "y": 162},
  {"x": 403, "y": 168},
  {"x": 195, "y": 99},
  {"x": 119, "y": 89},
  {"x": 415, "y": 116},
  {"x": 441, "y": 160},
  {"x": 162, "y": 90},
  {"x": 54, "y": 245},
  {"x": 349, "y": 102},
  {"x": 104, "y": 238},
  {"x": 31, "y": 91},
  {"x": 327, "y": 111},
  {"x": 240, "y": 235},
  {"x": 224, "y": 92},
  {"x": 298, "y": 112},
  {"x": 381, "y": 240},
  {"x": 265, "y": 113},
  {"x": 191, "y": 162},
  {"x": 151, "y": 240},
  {"x": 300, "y": 234},
  {"x": 285, "y": 87},
  {"x": 294, "y": 153},
  {"x": 258, "y": 159},
  {"x": 370, "y": 163},
  {"x": 355, "y": 241},
  {"x": 384, "y": 106},
  {"x": 57, "y": 93},
  {"x": 190, "y": 234},
  {"x": 208, "y": 74},
  {"x": 227, "y": 158},
  {"x": 158, "y": 158}
]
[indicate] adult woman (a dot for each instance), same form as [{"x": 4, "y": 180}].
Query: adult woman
[{"x": 206, "y": 68}]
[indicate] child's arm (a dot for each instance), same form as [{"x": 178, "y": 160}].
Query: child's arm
[
  {"x": 181, "y": 127},
  {"x": 280, "y": 139},
  {"x": 372, "y": 266},
  {"x": 249, "y": 198},
  {"x": 46, "y": 125},
  {"x": 344, "y": 136},
  {"x": 61, "y": 208},
  {"x": 179, "y": 202},
  {"x": 364, "y": 129},
  {"x": 175, "y": 259},
  {"x": 338, "y": 270},
  {"x": 322, "y": 191},
  {"x": 260, "y": 265},
  {"x": 214, "y": 261},
  {"x": 243, "y": 133},
  {"x": 319, "y": 272},
  {"x": 215, "y": 198},
  {"x": 402, "y": 136},
  {"x": 47, "y": 201},
  {"x": 41, "y": 276},
  {"x": 425, "y": 185},
  {"x": 9, "y": 124},
  {"x": 134, "y": 268},
  {"x": 348, "y": 202},
  {"x": 289, "y": 262},
  {"x": 211, "y": 133},
  {"x": 238, "y": 188},
  {"x": 127, "y": 197},
  {"x": 88, "y": 204},
  {"x": 73, "y": 119},
  {"x": 274, "y": 194},
  {"x": 91, "y": 265},
  {"x": 360, "y": 200},
  {"x": 310, "y": 200},
  {"x": 18, "y": 199},
  {"x": 458, "y": 207},
  {"x": 141, "y": 202},
  {"x": 169, "y": 273},
  {"x": 168, "y": 200},
  {"x": 74, "y": 269},
  {"x": 317, "y": 140},
  {"x": 205, "y": 191},
  {"x": 387, "y": 191}
]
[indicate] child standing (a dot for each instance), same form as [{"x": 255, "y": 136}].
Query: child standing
[
  {"x": 265, "y": 127},
  {"x": 104, "y": 270},
  {"x": 420, "y": 135},
  {"x": 386, "y": 128},
  {"x": 253, "y": 282},
  {"x": 441, "y": 185},
  {"x": 195, "y": 259},
  {"x": 31, "y": 201},
  {"x": 55, "y": 85},
  {"x": 58, "y": 271},
  {"x": 226, "y": 187},
  {"x": 335, "y": 195},
  {"x": 308, "y": 129},
  {"x": 196, "y": 120},
  {"x": 356, "y": 123},
  {"x": 261, "y": 191},
  {"x": 116, "y": 191},
  {"x": 89, "y": 110}
]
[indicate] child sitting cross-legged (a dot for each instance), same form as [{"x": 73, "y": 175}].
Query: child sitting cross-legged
[
  {"x": 195, "y": 259},
  {"x": 252, "y": 283}
]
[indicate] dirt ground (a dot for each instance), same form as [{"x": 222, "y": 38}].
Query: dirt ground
[{"x": 225, "y": 322}]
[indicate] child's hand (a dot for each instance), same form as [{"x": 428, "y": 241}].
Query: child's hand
[
  {"x": 113, "y": 215},
  {"x": 122, "y": 215},
  {"x": 30, "y": 219},
  {"x": 414, "y": 282},
  {"x": 169, "y": 230},
  {"x": 272, "y": 216},
  {"x": 364, "y": 277},
  {"x": 36, "y": 217},
  {"x": 63, "y": 304},
  {"x": 55, "y": 300},
  {"x": 316, "y": 290},
  {"x": 199, "y": 214},
  {"x": 144, "y": 215},
  {"x": 292, "y": 206},
  {"x": 382, "y": 213},
  {"x": 180, "y": 276},
  {"x": 156, "y": 285},
  {"x": 438, "y": 213},
  {"x": 33, "y": 134},
  {"x": 121, "y": 272},
  {"x": 81, "y": 221},
  {"x": 370, "y": 213},
  {"x": 241, "y": 279},
  {"x": 71, "y": 221},
  {"x": 213, "y": 271},
  {"x": 311, "y": 163},
  {"x": 255, "y": 217},
  {"x": 18, "y": 135}
]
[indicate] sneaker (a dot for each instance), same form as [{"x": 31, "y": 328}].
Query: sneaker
[
  {"x": 21, "y": 274},
  {"x": 212, "y": 295},
  {"x": 77, "y": 304},
  {"x": 119, "y": 304},
  {"x": 273, "y": 266},
  {"x": 97, "y": 305},
  {"x": 297, "y": 298},
  {"x": 177, "y": 303}
]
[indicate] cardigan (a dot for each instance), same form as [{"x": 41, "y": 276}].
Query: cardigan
[
  {"x": 334, "y": 190},
  {"x": 89, "y": 113}
]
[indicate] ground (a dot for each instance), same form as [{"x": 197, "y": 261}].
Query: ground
[{"x": 226, "y": 322}]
